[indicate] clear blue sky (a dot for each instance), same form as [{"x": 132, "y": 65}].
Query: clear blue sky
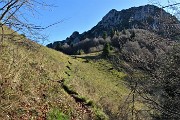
[{"x": 77, "y": 15}]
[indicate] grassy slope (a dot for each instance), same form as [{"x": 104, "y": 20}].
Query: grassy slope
[
  {"x": 29, "y": 87},
  {"x": 94, "y": 81}
]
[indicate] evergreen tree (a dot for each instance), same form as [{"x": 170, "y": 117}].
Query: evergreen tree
[
  {"x": 112, "y": 33},
  {"x": 124, "y": 31},
  {"x": 104, "y": 35},
  {"x": 106, "y": 50},
  {"x": 132, "y": 35}
]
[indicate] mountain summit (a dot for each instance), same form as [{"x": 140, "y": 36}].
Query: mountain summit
[{"x": 148, "y": 17}]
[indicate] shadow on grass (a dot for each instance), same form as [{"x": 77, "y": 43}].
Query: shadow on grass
[{"x": 88, "y": 57}]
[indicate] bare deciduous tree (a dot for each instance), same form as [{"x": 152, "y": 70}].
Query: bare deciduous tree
[{"x": 16, "y": 13}]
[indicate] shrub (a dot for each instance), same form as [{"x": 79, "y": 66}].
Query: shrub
[
  {"x": 80, "y": 52},
  {"x": 56, "y": 114},
  {"x": 23, "y": 35},
  {"x": 101, "y": 115}
]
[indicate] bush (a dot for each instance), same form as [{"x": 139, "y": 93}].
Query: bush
[
  {"x": 80, "y": 52},
  {"x": 56, "y": 114}
]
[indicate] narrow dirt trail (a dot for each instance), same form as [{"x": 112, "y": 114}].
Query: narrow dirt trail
[{"x": 82, "y": 106}]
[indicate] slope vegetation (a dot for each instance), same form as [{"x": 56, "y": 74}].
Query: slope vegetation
[{"x": 40, "y": 83}]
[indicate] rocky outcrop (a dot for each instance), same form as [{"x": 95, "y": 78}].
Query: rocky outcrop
[{"x": 148, "y": 17}]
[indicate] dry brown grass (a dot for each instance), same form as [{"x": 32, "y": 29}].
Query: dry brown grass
[{"x": 29, "y": 88}]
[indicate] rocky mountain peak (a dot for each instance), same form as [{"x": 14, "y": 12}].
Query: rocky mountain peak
[
  {"x": 150, "y": 14},
  {"x": 147, "y": 17},
  {"x": 74, "y": 34}
]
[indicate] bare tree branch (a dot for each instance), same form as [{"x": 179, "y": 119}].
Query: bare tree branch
[{"x": 12, "y": 15}]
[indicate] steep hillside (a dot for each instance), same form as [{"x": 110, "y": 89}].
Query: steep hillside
[
  {"x": 29, "y": 84},
  {"x": 40, "y": 83}
]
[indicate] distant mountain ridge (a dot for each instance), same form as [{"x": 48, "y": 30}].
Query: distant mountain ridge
[{"x": 148, "y": 17}]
